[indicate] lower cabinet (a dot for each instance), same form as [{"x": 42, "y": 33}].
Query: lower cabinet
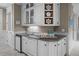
[
  {"x": 36, "y": 47},
  {"x": 32, "y": 46},
  {"x": 17, "y": 43},
  {"x": 24, "y": 44},
  {"x": 52, "y": 48},
  {"x": 43, "y": 48},
  {"x": 58, "y": 48},
  {"x": 29, "y": 46},
  {"x": 62, "y": 47}
]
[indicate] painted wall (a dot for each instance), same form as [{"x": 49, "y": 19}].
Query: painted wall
[
  {"x": 17, "y": 16},
  {"x": 63, "y": 17},
  {"x": 4, "y": 20}
]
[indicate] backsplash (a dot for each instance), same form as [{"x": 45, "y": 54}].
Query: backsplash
[{"x": 43, "y": 29}]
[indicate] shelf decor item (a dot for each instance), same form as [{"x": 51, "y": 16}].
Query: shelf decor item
[
  {"x": 48, "y": 7},
  {"x": 48, "y": 14},
  {"x": 48, "y": 21}
]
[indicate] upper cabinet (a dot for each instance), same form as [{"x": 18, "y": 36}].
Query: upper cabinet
[{"x": 42, "y": 14}]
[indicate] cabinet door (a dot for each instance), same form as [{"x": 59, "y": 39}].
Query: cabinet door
[
  {"x": 42, "y": 48},
  {"x": 32, "y": 16},
  {"x": 59, "y": 48},
  {"x": 32, "y": 46},
  {"x": 23, "y": 14},
  {"x": 24, "y": 44},
  {"x": 18, "y": 43},
  {"x": 56, "y": 14},
  {"x": 27, "y": 19},
  {"x": 52, "y": 48},
  {"x": 39, "y": 14},
  {"x": 64, "y": 46}
]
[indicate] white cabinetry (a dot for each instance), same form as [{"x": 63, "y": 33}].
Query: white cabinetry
[
  {"x": 29, "y": 46},
  {"x": 41, "y": 14},
  {"x": 43, "y": 48},
  {"x": 64, "y": 46},
  {"x": 58, "y": 48},
  {"x": 24, "y": 44},
  {"x": 52, "y": 48},
  {"x": 56, "y": 13},
  {"x": 36, "y": 47},
  {"x": 32, "y": 46},
  {"x": 27, "y": 13},
  {"x": 18, "y": 43}
]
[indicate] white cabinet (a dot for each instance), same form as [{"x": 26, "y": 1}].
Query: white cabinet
[
  {"x": 29, "y": 46},
  {"x": 59, "y": 47},
  {"x": 32, "y": 46},
  {"x": 52, "y": 48},
  {"x": 56, "y": 14},
  {"x": 64, "y": 46},
  {"x": 41, "y": 14},
  {"x": 18, "y": 43},
  {"x": 36, "y": 47},
  {"x": 27, "y": 14},
  {"x": 43, "y": 48},
  {"x": 23, "y": 15},
  {"x": 24, "y": 44}
]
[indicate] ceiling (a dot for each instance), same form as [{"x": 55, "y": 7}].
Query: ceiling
[{"x": 4, "y": 5}]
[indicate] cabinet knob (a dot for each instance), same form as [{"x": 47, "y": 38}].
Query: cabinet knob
[
  {"x": 57, "y": 22},
  {"x": 55, "y": 45},
  {"x": 45, "y": 44}
]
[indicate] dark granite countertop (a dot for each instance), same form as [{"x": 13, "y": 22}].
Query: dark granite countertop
[{"x": 50, "y": 39}]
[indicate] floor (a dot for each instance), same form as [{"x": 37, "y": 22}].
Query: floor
[{"x": 6, "y": 50}]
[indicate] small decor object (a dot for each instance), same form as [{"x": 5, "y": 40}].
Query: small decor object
[
  {"x": 48, "y": 7},
  {"x": 48, "y": 21},
  {"x": 48, "y": 14}
]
